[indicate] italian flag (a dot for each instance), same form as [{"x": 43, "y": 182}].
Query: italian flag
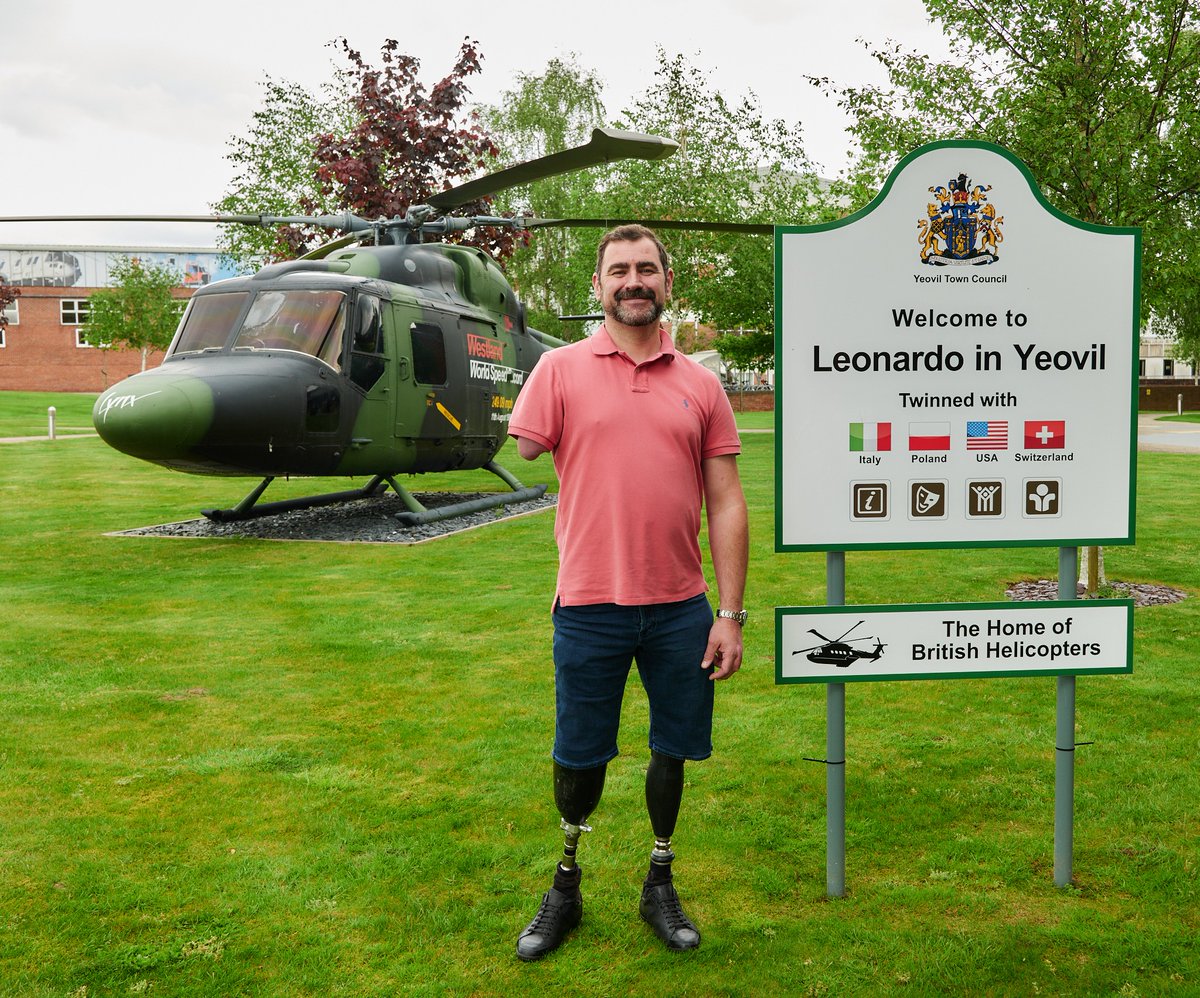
[
  {"x": 928, "y": 436},
  {"x": 870, "y": 436}
]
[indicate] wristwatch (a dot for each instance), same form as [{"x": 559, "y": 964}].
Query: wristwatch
[{"x": 738, "y": 615}]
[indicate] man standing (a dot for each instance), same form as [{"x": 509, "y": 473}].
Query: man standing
[{"x": 641, "y": 438}]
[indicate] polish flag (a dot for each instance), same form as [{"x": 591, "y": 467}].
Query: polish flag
[
  {"x": 1045, "y": 434},
  {"x": 928, "y": 436},
  {"x": 870, "y": 436}
]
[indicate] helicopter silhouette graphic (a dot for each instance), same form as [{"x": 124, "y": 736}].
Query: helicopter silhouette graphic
[{"x": 837, "y": 651}]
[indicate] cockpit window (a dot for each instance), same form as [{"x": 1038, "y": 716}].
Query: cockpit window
[
  {"x": 209, "y": 321},
  {"x": 310, "y": 322}
]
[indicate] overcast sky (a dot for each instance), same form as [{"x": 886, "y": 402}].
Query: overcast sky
[{"x": 127, "y": 106}]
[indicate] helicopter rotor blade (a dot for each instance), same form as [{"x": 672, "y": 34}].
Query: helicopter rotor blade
[
  {"x": 813, "y": 630},
  {"x": 606, "y": 146},
  {"x": 749, "y": 228},
  {"x": 346, "y": 222},
  {"x": 844, "y": 633}
]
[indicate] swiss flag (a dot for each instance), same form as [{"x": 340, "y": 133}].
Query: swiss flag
[{"x": 1045, "y": 434}]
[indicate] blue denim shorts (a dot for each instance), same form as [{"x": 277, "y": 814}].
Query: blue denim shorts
[{"x": 594, "y": 647}]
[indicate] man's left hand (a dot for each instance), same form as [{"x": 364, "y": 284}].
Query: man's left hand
[{"x": 724, "y": 652}]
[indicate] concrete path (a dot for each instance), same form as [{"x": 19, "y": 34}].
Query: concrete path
[
  {"x": 1155, "y": 434},
  {"x": 60, "y": 436}
]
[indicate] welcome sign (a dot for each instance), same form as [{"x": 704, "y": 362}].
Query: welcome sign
[{"x": 956, "y": 366}]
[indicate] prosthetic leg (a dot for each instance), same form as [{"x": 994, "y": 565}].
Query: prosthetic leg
[
  {"x": 660, "y": 905},
  {"x": 664, "y": 792},
  {"x": 576, "y": 794}
]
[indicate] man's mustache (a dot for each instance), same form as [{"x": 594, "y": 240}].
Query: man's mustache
[{"x": 643, "y": 293}]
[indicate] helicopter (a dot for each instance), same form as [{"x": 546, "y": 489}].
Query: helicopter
[
  {"x": 837, "y": 651},
  {"x": 378, "y": 354}
]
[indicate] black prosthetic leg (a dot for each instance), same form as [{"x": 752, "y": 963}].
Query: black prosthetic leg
[
  {"x": 576, "y": 793},
  {"x": 664, "y": 792},
  {"x": 660, "y": 905}
]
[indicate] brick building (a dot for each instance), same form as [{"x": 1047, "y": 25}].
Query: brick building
[{"x": 41, "y": 349}]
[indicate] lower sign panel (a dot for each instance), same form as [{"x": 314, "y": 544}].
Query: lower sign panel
[{"x": 845, "y": 644}]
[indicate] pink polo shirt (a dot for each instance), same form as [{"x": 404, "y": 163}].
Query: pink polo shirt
[{"x": 627, "y": 441}]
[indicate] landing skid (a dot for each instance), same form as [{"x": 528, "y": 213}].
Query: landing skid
[{"x": 415, "y": 513}]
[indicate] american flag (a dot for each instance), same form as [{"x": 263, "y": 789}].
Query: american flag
[{"x": 987, "y": 434}]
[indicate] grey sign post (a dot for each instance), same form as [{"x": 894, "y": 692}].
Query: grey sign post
[{"x": 951, "y": 365}]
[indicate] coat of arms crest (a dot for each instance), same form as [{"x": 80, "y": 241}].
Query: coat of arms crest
[{"x": 962, "y": 227}]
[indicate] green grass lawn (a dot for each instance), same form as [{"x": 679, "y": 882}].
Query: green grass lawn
[{"x": 263, "y": 768}]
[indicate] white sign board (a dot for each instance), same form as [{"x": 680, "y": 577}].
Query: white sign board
[
  {"x": 956, "y": 366},
  {"x": 848, "y": 644}
]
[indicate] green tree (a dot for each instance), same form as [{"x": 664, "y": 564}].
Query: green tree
[
  {"x": 734, "y": 165},
  {"x": 540, "y": 115},
  {"x": 138, "y": 312},
  {"x": 275, "y": 171},
  {"x": 1100, "y": 100},
  {"x": 753, "y": 351}
]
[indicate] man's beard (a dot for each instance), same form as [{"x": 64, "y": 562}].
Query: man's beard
[{"x": 629, "y": 317}]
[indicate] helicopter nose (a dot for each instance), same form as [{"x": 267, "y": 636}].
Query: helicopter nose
[{"x": 154, "y": 417}]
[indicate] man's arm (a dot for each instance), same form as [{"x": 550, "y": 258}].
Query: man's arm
[
  {"x": 530, "y": 449},
  {"x": 728, "y": 540}
]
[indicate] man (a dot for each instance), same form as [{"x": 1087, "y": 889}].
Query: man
[{"x": 641, "y": 436}]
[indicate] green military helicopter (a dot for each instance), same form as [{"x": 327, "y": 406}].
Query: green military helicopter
[{"x": 380, "y": 354}]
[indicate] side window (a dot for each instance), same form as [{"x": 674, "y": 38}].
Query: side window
[
  {"x": 366, "y": 356},
  {"x": 429, "y": 354}
]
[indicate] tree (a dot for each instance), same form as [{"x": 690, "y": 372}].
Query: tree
[
  {"x": 408, "y": 144},
  {"x": 733, "y": 165},
  {"x": 1100, "y": 100},
  {"x": 8, "y": 295},
  {"x": 138, "y": 312},
  {"x": 542, "y": 115},
  {"x": 372, "y": 141},
  {"x": 275, "y": 172},
  {"x": 754, "y": 351}
]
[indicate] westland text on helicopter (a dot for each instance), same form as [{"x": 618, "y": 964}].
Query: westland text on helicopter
[{"x": 377, "y": 354}]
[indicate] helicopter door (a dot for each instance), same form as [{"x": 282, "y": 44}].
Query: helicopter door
[{"x": 437, "y": 378}]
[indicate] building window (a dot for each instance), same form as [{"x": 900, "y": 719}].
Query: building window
[
  {"x": 1141, "y": 368},
  {"x": 73, "y": 311},
  {"x": 1168, "y": 368}
]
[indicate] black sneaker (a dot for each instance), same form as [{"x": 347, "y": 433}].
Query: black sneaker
[
  {"x": 558, "y": 914},
  {"x": 661, "y": 908}
]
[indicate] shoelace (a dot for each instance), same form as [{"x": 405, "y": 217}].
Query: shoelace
[
  {"x": 672, "y": 910},
  {"x": 548, "y": 912}
]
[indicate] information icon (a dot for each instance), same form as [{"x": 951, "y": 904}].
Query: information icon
[
  {"x": 985, "y": 499},
  {"x": 869, "y": 501}
]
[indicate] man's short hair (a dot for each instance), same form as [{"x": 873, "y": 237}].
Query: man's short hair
[{"x": 631, "y": 234}]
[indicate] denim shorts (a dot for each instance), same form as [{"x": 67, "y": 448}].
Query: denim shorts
[{"x": 594, "y": 647}]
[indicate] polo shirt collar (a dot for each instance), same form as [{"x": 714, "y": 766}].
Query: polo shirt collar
[{"x": 603, "y": 344}]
